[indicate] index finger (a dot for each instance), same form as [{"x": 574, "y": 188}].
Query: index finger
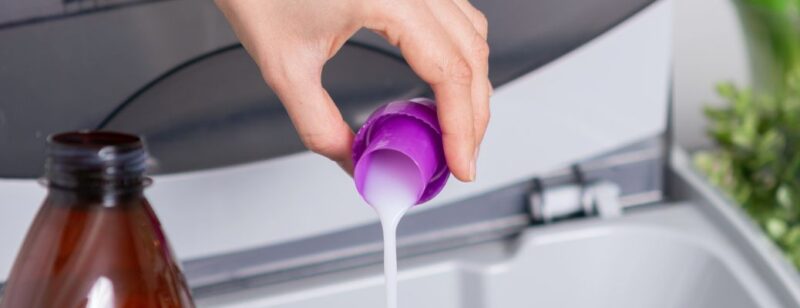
[{"x": 437, "y": 59}]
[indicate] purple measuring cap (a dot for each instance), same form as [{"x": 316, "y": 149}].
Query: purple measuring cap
[{"x": 408, "y": 127}]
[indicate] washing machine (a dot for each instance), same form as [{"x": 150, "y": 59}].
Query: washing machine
[{"x": 581, "y": 198}]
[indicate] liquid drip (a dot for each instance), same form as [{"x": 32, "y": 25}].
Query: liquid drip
[{"x": 392, "y": 185}]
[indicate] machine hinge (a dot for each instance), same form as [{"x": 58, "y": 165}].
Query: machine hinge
[{"x": 580, "y": 198}]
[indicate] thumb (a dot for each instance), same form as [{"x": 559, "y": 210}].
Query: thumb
[{"x": 314, "y": 114}]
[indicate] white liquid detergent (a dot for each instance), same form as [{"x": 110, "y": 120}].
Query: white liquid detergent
[{"x": 392, "y": 185}]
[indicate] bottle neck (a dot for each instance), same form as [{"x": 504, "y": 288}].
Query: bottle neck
[
  {"x": 95, "y": 166},
  {"x": 93, "y": 198}
]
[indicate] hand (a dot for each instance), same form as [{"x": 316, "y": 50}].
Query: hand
[{"x": 444, "y": 42}]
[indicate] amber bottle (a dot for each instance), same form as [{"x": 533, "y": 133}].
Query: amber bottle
[{"x": 95, "y": 241}]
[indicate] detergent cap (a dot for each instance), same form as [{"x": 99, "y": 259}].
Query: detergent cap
[{"x": 408, "y": 127}]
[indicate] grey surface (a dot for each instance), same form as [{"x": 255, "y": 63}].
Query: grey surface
[
  {"x": 241, "y": 207},
  {"x": 491, "y": 215},
  {"x": 709, "y": 48},
  {"x": 72, "y": 73},
  {"x": 219, "y": 108},
  {"x": 760, "y": 252},
  {"x": 696, "y": 252},
  {"x": 21, "y": 12},
  {"x": 658, "y": 257}
]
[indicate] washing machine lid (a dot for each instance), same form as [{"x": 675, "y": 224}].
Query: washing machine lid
[
  {"x": 173, "y": 72},
  {"x": 573, "y": 79},
  {"x": 600, "y": 97}
]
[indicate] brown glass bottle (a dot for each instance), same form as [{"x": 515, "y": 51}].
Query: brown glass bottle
[{"x": 96, "y": 241}]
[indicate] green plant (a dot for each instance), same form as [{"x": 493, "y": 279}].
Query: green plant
[
  {"x": 757, "y": 160},
  {"x": 773, "y": 35}
]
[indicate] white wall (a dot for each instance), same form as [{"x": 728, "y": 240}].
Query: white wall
[{"x": 708, "y": 48}]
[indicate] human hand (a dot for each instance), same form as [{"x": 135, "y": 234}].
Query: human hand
[{"x": 444, "y": 42}]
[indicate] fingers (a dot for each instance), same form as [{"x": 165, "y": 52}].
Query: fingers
[
  {"x": 437, "y": 59},
  {"x": 457, "y": 121},
  {"x": 290, "y": 51},
  {"x": 444, "y": 42},
  {"x": 475, "y": 16},
  {"x": 481, "y": 25},
  {"x": 472, "y": 43},
  {"x": 446, "y": 47},
  {"x": 314, "y": 114}
]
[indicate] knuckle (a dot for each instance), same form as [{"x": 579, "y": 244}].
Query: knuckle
[
  {"x": 481, "y": 23},
  {"x": 272, "y": 76},
  {"x": 387, "y": 14},
  {"x": 461, "y": 135},
  {"x": 389, "y": 21},
  {"x": 288, "y": 73},
  {"x": 480, "y": 49},
  {"x": 459, "y": 71},
  {"x": 276, "y": 73},
  {"x": 319, "y": 143}
]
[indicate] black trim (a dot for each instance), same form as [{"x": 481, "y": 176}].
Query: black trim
[
  {"x": 205, "y": 56},
  {"x": 161, "y": 77}
]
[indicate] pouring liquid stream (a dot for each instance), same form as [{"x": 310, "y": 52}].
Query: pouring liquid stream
[{"x": 392, "y": 186}]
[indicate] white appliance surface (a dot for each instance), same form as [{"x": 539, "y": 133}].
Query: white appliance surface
[
  {"x": 671, "y": 255},
  {"x": 603, "y": 95}
]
